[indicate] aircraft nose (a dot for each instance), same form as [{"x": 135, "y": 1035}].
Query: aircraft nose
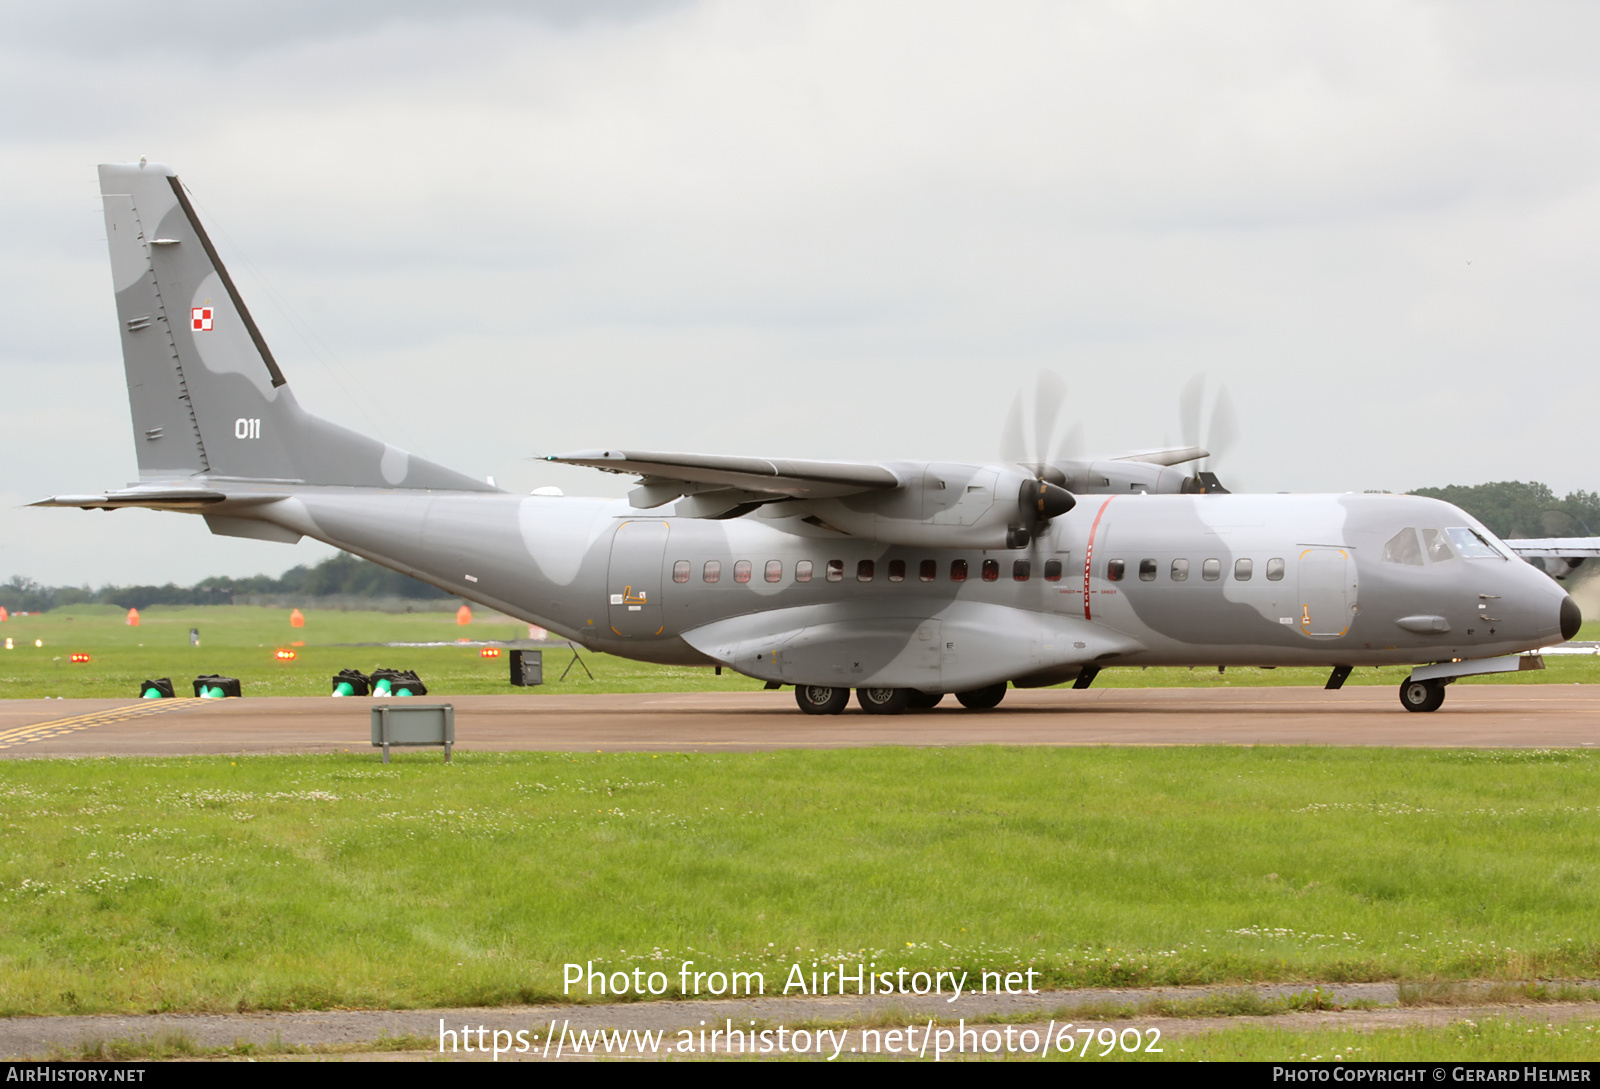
[{"x": 1571, "y": 618}]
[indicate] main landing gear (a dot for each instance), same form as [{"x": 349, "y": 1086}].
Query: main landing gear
[
  {"x": 1421, "y": 695},
  {"x": 883, "y": 701},
  {"x": 815, "y": 699}
]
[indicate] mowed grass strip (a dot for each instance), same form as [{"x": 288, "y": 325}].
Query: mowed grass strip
[
  {"x": 325, "y": 881},
  {"x": 242, "y": 641}
]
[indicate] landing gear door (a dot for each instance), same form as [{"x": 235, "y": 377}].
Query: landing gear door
[
  {"x": 633, "y": 583},
  {"x": 1327, "y": 579}
]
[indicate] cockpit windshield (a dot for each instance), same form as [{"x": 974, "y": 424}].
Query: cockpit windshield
[
  {"x": 1415, "y": 547},
  {"x": 1471, "y": 544}
]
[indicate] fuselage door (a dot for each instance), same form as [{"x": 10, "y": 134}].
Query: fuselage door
[
  {"x": 634, "y": 580},
  {"x": 1327, "y": 592}
]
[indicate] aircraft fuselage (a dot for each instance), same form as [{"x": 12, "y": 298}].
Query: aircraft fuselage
[{"x": 1136, "y": 579}]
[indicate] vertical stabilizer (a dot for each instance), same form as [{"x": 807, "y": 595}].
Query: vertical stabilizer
[{"x": 206, "y": 394}]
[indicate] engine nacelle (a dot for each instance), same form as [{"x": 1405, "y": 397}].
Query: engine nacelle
[
  {"x": 1115, "y": 477},
  {"x": 947, "y": 505}
]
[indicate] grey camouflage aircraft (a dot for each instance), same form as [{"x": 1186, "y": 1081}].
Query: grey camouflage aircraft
[{"x": 905, "y": 581}]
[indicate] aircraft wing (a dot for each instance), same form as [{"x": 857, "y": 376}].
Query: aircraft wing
[
  {"x": 1556, "y": 547},
  {"x": 1172, "y": 455},
  {"x": 716, "y": 479}
]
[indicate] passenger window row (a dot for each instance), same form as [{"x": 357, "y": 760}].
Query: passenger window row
[
  {"x": 1210, "y": 570},
  {"x": 866, "y": 571}
]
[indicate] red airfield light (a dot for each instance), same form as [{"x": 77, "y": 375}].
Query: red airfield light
[
  {"x": 79, "y": 656},
  {"x": 488, "y": 652},
  {"x": 285, "y": 654}
]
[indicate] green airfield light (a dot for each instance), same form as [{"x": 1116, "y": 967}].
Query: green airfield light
[{"x": 158, "y": 689}]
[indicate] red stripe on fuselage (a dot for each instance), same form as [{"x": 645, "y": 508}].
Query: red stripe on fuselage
[{"x": 1088, "y": 554}]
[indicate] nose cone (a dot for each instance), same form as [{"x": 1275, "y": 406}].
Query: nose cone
[{"x": 1571, "y": 618}]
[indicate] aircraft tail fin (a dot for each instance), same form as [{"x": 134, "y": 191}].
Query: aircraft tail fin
[{"x": 207, "y": 396}]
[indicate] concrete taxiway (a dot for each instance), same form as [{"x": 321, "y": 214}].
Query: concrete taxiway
[{"x": 1473, "y": 715}]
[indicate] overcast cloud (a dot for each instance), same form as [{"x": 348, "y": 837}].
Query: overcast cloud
[{"x": 846, "y": 230}]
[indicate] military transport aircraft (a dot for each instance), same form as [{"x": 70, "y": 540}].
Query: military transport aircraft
[{"x": 905, "y": 581}]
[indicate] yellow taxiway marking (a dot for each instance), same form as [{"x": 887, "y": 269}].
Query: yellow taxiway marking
[{"x": 43, "y": 731}]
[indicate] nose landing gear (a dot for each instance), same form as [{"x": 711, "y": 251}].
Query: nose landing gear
[{"x": 1421, "y": 695}]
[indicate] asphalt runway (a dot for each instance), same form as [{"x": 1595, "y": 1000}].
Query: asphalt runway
[{"x": 1528, "y": 716}]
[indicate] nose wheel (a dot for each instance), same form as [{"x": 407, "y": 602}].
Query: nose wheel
[{"x": 1421, "y": 695}]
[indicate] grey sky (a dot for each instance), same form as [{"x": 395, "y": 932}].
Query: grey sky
[{"x": 845, "y": 230}]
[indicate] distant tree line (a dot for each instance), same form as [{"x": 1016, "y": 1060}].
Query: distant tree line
[
  {"x": 342, "y": 575},
  {"x": 1514, "y": 509}
]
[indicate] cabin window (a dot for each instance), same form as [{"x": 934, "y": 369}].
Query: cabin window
[
  {"x": 897, "y": 570},
  {"x": 1021, "y": 569},
  {"x": 741, "y": 571},
  {"x": 774, "y": 571},
  {"x": 802, "y": 571},
  {"x": 991, "y": 570},
  {"x": 712, "y": 570},
  {"x": 680, "y": 571},
  {"x": 1115, "y": 569},
  {"x": 958, "y": 570},
  {"x": 1403, "y": 548},
  {"x": 864, "y": 571},
  {"x": 928, "y": 570},
  {"x": 1147, "y": 570},
  {"x": 835, "y": 570},
  {"x": 1052, "y": 570},
  {"x": 1275, "y": 570},
  {"x": 1243, "y": 569},
  {"x": 1211, "y": 570},
  {"x": 1180, "y": 570}
]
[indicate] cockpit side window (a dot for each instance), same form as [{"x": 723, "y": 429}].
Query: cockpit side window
[
  {"x": 1403, "y": 548},
  {"x": 1437, "y": 547}
]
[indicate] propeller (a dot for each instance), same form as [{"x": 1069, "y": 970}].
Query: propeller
[
  {"x": 1035, "y": 452},
  {"x": 1221, "y": 432},
  {"x": 1044, "y": 496}
]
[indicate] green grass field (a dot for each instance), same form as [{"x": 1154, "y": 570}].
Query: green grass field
[
  {"x": 241, "y": 641},
  {"x": 319, "y": 881},
  {"x": 222, "y": 883}
]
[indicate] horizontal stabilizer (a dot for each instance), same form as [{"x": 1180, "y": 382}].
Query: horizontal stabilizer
[{"x": 156, "y": 498}]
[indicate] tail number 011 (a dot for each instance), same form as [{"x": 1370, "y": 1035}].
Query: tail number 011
[{"x": 246, "y": 429}]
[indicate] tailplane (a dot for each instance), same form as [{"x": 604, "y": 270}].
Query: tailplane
[{"x": 207, "y": 396}]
